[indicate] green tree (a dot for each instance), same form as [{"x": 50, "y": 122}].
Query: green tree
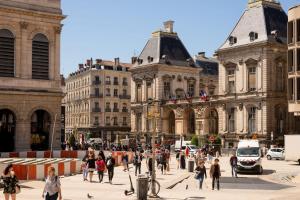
[
  {"x": 194, "y": 140},
  {"x": 72, "y": 140}
]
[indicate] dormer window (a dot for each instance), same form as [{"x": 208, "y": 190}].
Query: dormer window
[
  {"x": 253, "y": 36},
  {"x": 232, "y": 40}
]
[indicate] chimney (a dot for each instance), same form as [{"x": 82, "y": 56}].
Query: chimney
[
  {"x": 201, "y": 54},
  {"x": 133, "y": 60},
  {"x": 117, "y": 61},
  {"x": 169, "y": 26},
  {"x": 98, "y": 61},
  {"x": 88, "y": 63}
]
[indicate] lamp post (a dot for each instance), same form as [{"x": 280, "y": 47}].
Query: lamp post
[{"x": 154, "y": 116}]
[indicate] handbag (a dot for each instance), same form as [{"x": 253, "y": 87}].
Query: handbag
[
  {"x": 196, "y": 176},
  {"x": 18, "y": 189}
]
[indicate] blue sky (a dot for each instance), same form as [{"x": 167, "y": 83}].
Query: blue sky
[{"x": 120, "y": 28}]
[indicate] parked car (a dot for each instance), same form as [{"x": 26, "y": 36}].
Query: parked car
[{"x": 275, "y": 153}]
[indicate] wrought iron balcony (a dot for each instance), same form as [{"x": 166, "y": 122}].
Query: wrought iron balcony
[
  {"x": 124, "y": 96},
  {"x": 107, "y": 109},
  {"x": 96, "y": 95},
  {"x": 96, "y": 82},
  {"x": 116, "y": 109},
  {"x": 125, "y": 83},
  {"x": 125, "y": 110},
  {"x": 116, "y": 82},
  {"x": 96, "y": 109},
  {"x": 107, "y": 82}
]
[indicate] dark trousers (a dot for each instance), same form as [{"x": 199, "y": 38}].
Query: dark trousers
[
  {"x": 163, "y": 167},
  {"x": 53, "y": 197},
  {"x": 216, "y": 179},
  {"x": 201, "y": 178},
  {"x": 138, "y": 168},
  {"x": 110, "y": 174},
  {"x": 100, "y": 176}
]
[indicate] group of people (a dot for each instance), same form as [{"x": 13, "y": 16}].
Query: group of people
[
  {"x": 11, "y": 187},
  {"x": 91, "y": 163}
]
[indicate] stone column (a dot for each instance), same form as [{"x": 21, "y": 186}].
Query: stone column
[
  {"x": 23, "y": 135},
  {"x": 22, "y": 52},
  {"x": 56, "y": 63}
]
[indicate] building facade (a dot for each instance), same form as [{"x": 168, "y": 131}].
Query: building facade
[
  {"x": 30, "y": 93},
  {"x": 98, "y": 100},
  {"x": 294, "y": 60},
  {"x": 252, "y": 77},
  {"x": 166, "y": 87}
]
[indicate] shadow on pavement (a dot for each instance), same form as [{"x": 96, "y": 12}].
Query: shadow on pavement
[
  {"x": 250, "y": 183},
  {"x": 188, "y": 198}
]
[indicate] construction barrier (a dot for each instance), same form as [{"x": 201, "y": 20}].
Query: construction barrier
[{"x": 36, "y": 169}]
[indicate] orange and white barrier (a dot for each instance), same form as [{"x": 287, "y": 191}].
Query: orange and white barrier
[
  {"x": 36, "y": 169},
  {"x": 45, "y": 154}
]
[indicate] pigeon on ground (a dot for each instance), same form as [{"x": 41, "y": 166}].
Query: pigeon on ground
[{"x": 89, "y": 196}]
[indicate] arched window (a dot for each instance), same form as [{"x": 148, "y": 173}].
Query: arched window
[
  {"x": 7, "y": 53},
  {"x": 40, "y": 57}
]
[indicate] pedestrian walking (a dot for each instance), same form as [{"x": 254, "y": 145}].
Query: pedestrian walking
[
  {"x": 182, "y": 161},
  {"x": 10, "y": 181},
  {"x": 91, "y": 162},
  {"x": 215, "y": 174},
  {"x": 168, "y": 159},
  {"x": 210, "y": 156},
  {"x": 100, "y": 168},
  {"x": 178, "y": 159},
  {"x": 163, "y": 162},
  {"x": 125, "y": 161},
  {"x": 84, "y": 168},
  {"x": 233, "y": 164},
  {"x": 138, "y": 162},
  {"x": 52, "y": 189},
  {"x": 201, "y": 173},
  {"x": 150, "y": 167},
  {"x": 110, "y": 164}
]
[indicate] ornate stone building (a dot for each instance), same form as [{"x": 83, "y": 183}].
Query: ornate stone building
[
  {"x": 30, "y": 93},
  {"x": 166, "y": 74},
  {"x": 294, "y": 60},
  {"x": 252, "y": 77},
  {"x": 98, "y": 100}
]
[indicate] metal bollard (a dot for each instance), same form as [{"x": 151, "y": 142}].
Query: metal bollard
[
  {"x": 191, "y": 165},
  {"x": 142, "y": 187}
]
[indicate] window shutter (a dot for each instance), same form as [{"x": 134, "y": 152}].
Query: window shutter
[
  {"x": 40, "y": 57},
  {"x": 7, "y": 53}
]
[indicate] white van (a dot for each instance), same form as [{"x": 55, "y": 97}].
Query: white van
[
  {"x": 178, "y": 144},
  {"x": 249, "y": 156}
]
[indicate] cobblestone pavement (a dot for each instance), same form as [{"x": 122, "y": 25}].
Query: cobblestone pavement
[{"x": 277, "y": 182}]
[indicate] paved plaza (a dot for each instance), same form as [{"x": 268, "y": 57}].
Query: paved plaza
[{"x": 279, "y": 181}]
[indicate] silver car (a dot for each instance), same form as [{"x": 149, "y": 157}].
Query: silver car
[{"x": 275, "y": 153}]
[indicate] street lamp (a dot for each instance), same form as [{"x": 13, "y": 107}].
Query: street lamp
[{"x": 154, "y": 116}]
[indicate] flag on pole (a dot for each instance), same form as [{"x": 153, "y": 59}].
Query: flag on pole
[{"x": 203, "y": 95}]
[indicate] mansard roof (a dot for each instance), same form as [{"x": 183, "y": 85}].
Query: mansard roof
[
  {"x": 264, "y": 20},
  {"x": 165, "y": 47}
]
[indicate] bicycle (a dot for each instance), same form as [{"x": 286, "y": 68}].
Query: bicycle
[{"x": 156, "y": 183}]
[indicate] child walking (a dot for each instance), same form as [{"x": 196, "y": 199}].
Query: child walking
[{"x": 100, "y": 168}]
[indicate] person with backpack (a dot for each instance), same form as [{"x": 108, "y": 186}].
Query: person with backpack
[
  {"x": 10, "y": 181},
  {"x": 233, "y": 164},
  {"x": 138, "y": 162},
  {"x": 200, "y": 173},
  {"x": 100, "y": 168},
  {"x": 110, "y": 164},
  {"x": 52, "y": 189},
  {"x": 215, "y": 174}
]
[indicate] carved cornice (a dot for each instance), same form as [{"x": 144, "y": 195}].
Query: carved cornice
[
  {"x": 33, "y": 14},
  {"x": 24, "y": 24}
]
